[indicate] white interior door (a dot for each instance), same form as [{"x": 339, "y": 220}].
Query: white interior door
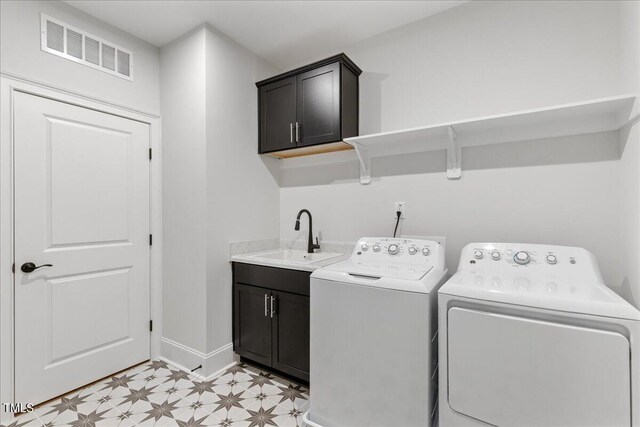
[{"x": 81, "y": 205}]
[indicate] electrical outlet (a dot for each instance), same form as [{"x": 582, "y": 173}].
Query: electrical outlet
[{"x": 398, "y": 206}]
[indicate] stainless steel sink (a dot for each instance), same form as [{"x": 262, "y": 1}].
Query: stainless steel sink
[{"x": 298, "y": 256}]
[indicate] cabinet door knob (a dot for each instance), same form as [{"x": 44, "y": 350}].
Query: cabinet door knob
[
  {"x": 273, "y": 309},
  {"x": 297, "y": 132}
]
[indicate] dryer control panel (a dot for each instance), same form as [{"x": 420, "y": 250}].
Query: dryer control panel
[
  {"x": 533, "y": 257},
  {"x": 410, "y": 251}
]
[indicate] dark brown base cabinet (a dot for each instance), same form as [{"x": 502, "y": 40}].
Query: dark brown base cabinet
[
  {"x": 271, "y": 317},
  {"x": 312, "y": 106}
]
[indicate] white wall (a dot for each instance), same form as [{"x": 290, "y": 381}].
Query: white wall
[
  {"x": 486, "y": 58},
  {"x": 481, "y": 58},
  {"x": 216, "y": 189},
  {"x": 630, "y": 155},
  {"x": 242, "y": 194},
  {"x": 20, "y": 54},
  {"x": 184, "y": 183},
  {"x": 501, "y": 197}
]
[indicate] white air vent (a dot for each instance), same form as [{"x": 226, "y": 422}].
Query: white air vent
[
  {"x": 79, "y": 46},
  {"x": 108, "y": 57},
  {"x": 55, "y": 36},
  {"x": 123, "y": 63},
  {"x": 74, "y": 44},
  {"x": 91, "y": 50}
]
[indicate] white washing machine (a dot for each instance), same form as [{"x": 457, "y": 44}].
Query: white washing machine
[
  {"x": 373, "y": 322},
  {"x": 531, "y": 336}
]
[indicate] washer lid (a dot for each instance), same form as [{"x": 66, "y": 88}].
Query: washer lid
[
  {"x": 560, "y": 292},
  {"x": 401, "y": 277},
  {"x": 382, "y": 269}
]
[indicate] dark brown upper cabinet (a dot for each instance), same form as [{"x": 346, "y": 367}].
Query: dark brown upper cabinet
[{"x": 310, "y": 109}]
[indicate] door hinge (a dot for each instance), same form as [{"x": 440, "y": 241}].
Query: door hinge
[
  {"x": 150, "y": 239},
  {"x": 13, "y": 268},
  {"x": 150, "y": 155},
  {"x": 150, "y": 325}
]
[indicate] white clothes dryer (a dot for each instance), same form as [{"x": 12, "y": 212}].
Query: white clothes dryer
[{"x": 531, "y": 336}]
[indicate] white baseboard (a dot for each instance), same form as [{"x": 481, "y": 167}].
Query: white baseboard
[{"x": 186, "y": 358}]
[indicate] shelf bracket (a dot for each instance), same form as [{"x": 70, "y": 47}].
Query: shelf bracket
[
  {"x": 454, "y": 156},
  {"x": 365, "y": 164}
]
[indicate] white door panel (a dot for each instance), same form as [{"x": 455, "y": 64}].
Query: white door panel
[
  {"x": 91, "y": 182},
  {"x": 512, "y": 371},
  {"x": 109, "y": 311},
  {"x": 81, "y": 204}
]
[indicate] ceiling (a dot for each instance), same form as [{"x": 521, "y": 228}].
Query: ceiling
[{"x": 283, "y": 32}]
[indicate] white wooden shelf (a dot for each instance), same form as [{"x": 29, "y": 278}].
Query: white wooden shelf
[{"x": 597, "y": 115}]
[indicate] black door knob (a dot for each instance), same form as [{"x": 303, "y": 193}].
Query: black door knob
[{"x": 28, "y": 267}]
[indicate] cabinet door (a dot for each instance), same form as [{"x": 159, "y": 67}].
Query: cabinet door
[
  {"x": 318, "y": 105},
  {"x": 291, "y": 334},
  {"x": 252, "y": 323},
  {"x": 278, "y": 115}
]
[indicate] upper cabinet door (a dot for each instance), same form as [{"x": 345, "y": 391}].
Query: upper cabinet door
[
  {"x": 318, "y": 106},
  {"x": 278, "y": 115}
]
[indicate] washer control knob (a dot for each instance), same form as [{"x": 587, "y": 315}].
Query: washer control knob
[
  {"x": 478, "y": 254},
  {"x": 412, "y": 250},
  {"x": 425, "y": 251},
  {"x": 495, "y": 255},
  {"x": 522, "y": 258},
  {"x": 393, "y": 249},
  {"x": 552, "y": 259},
  {"x": 376, "y": 248},
  {"x": 364, "y": 247}
]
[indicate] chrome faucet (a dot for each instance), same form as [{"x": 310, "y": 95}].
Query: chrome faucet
[{"x": 310, "y": 245}]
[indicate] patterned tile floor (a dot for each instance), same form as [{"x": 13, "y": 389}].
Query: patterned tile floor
[{"x": 158, "y": 394}]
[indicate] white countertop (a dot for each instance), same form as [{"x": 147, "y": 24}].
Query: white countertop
[{"x": 251, "y": 258}]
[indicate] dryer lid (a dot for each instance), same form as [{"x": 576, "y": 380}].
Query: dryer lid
[{"x": 560, "y": 293}]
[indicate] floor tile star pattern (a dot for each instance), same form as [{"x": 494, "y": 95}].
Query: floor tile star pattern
[{"x": 158, "y": 394}]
